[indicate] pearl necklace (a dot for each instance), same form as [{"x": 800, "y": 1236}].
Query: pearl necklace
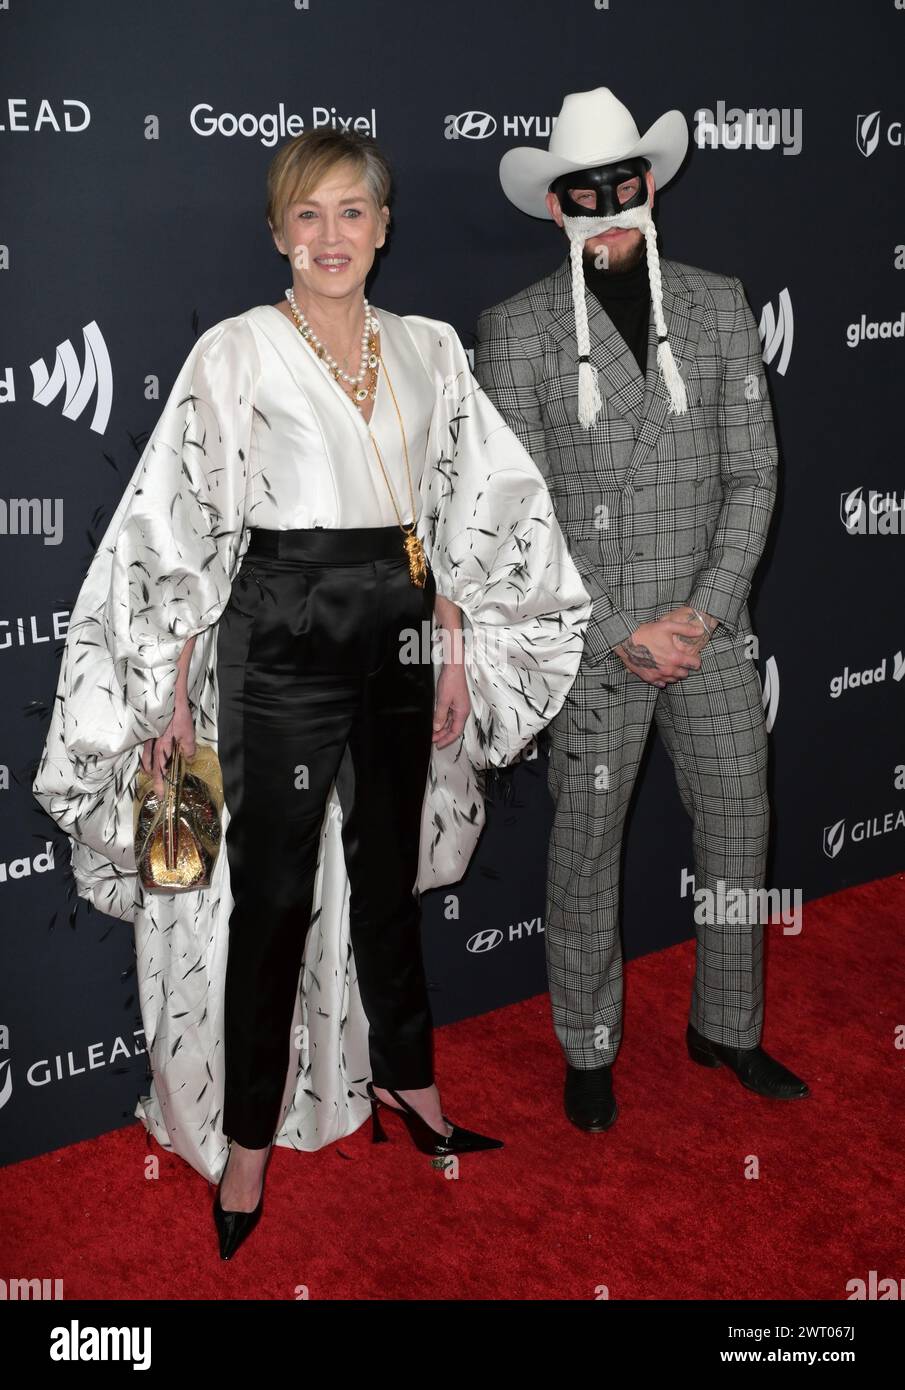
[{"x": 369, "y": 359}]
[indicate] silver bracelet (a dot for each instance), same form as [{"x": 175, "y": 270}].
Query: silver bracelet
[{"x": 708, "y": 630}]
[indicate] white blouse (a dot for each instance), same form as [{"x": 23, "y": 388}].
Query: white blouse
[{"x": 313, "y": 461}]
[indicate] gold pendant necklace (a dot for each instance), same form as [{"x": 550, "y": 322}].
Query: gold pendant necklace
[{"x": 413, "y": 547}]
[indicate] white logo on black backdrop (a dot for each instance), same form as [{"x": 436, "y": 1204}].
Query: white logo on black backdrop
[
  {"x": 272, "y": 126},
  {"x": 770, "y": 692},
  {"x": 80, "y": 383},
  {"x": 870, "y": 330},
  {"x": 777, "y": 331},
  {"x": 484, "y": 941},
  {"x": 480, "y": 125},
  {"x": 471, "y": 125},
  {"x": 491, "y": 937},
  {"x": 754, "y": 128},
  {"x": 869, "y": 130},
  {"x": 867, "y": 133},
  {"x": 13, "y": 631},
  {"x": 878, "y": 514},
  {"x": 46, "y": 116},
  {"x": 67, "y": 1066},
  {"x": 23, "y": 868},
  {"x": 874, "y": 675},
  {"x": 871, "y": 829},
  {"x": 833, "y": 838}
]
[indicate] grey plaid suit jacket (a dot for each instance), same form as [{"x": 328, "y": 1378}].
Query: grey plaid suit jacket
[{"x": 658, "y": 509}]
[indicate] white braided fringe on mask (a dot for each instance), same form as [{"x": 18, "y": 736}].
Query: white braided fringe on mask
[{"x": 579, "y": 229}]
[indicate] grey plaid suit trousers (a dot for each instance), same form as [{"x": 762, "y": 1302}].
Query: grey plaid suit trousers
[{"x": 659, "y": 510}]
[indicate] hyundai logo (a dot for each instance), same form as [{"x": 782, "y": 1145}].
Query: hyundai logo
[
  {"x": 484, "y": 941},
  {"x": 474, "y": 125}
]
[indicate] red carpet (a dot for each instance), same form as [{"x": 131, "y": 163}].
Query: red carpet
[{"x": 658, "y": 1207}]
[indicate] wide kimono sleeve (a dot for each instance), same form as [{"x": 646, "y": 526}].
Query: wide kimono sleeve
[
  {"x": 496, "y": 550},
  {"x": 162, "y": 573}
]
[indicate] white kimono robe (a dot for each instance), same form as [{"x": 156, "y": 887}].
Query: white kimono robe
[{"x": 163, "y": 572}]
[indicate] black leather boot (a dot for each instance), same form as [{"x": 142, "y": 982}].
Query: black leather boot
[
  {"x": 754, "y": 1068},
  {"x": 588, "y": 1097}
]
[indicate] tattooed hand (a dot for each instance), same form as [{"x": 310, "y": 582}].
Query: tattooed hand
[
  {"x": 698, "y": 641},
  {"x": 653, "y": 651}
]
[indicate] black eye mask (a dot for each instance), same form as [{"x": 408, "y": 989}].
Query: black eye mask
[{"x": 604, "y": 180}]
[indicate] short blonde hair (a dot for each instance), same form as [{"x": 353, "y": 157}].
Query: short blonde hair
[{"x": 300, "y": 165}]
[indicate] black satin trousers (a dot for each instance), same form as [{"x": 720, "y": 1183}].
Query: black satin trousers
[{"x": 311, "y": 685}]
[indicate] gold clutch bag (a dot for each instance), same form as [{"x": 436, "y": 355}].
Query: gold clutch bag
[{"x": 177, "y": 836}]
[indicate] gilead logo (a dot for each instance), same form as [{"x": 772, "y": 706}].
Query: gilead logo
[
  {"x": 74, "y": 116},
  {"x": 834, "y": 835},
  {"x": 25, "y": 867},
  {"x": 13, "y": 632},
  {"x": 877, "y": 514}
]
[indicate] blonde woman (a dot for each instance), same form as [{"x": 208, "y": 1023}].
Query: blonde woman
[{"x": 326, "y": 480}]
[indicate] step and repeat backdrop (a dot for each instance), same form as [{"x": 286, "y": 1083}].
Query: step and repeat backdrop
[{"x": 135, "y": 141}]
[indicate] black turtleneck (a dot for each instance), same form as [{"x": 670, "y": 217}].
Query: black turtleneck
[{"x": 625, "y": 296}]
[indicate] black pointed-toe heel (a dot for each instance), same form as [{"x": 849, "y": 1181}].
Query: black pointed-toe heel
[
  {"x": 235, "y": 1226},
  {"x": 424, "y": 1136}
]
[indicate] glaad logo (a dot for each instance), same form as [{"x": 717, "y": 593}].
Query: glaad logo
[
  {"x": 25, "y": 867},
  {"x": 872, "y": 829},
  {"x": 869, "y": 330},
  {"x": 80, "y": 382},
  {"x": 854, "y": 680},
  {"x": 879, "y": 514},
  {"x": 760, "y": 127},
  {"x": 867, "y": 133},
  {"x": 770, "y": 692},
  {"x": 777, "y": 331}
]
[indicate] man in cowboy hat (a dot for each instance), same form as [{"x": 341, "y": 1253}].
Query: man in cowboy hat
[{"x": 638, "y": 386}]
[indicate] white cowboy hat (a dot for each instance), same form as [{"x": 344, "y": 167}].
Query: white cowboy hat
[{"x": 592, "y": 128}]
